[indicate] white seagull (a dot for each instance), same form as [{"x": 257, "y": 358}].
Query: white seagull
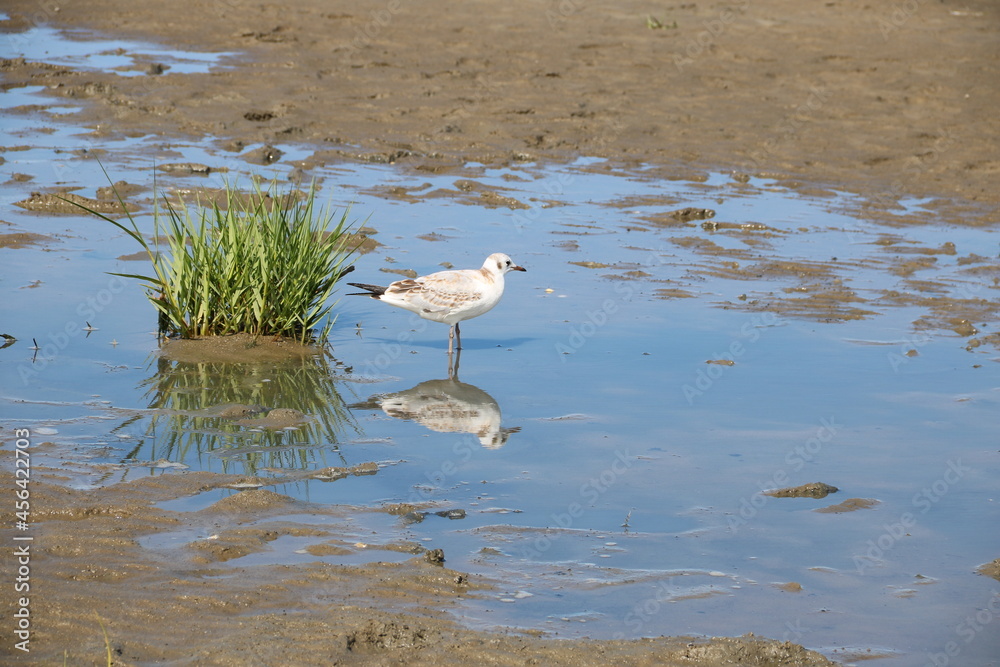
[
  {"x": 448, "y": 297},
  {"x": 447, "y": 406}
]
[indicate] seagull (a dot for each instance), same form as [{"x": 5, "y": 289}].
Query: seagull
[
  {"x": 446, "y": 406},
  {"x": 448, "y": 297}
]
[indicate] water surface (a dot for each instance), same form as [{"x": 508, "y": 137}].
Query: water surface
[{"x": 610, "y": 478}]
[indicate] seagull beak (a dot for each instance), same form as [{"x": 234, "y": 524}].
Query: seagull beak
[{"x": 518, "y": 268}]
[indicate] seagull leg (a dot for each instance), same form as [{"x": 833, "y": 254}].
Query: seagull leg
[
  {"x": 451, "y": 338},
  {"x": 458, "y": 337},
  {"x": 453, "y": 365}
]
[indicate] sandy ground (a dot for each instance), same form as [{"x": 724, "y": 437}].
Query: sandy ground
[
  {"x": 88, "y": 569},
  {"x": 886, "y": 100},
  {"x": 883, "y": 99}
]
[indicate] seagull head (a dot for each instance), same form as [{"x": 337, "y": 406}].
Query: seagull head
[{"x": 499, "y": 263}]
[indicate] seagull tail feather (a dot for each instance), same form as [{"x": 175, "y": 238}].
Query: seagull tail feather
[{"x": 374, "y": 291}]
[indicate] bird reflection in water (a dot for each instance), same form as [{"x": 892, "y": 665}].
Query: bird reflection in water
[{"x": 446, "y": 406}]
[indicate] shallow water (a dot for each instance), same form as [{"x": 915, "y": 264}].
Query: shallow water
[
  {"x": 613, "y": 481},
  {"x": 82, "y": 49}
]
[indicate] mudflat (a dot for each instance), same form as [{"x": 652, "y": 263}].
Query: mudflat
[
  {"x": 885, "y": 100},
  {"x": 882, "y": 99}
]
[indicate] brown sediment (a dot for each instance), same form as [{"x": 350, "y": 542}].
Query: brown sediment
[
  {"x": 236, "y": 348},
  {"x": 796, "y": 92},
  {"x": 849, "y": 505},
  {"x": 811, "y": 490},
  {"x": 528, "y": 84},
  {"x": 23, "y": 239},
  {"x": 312, "y": 613}
]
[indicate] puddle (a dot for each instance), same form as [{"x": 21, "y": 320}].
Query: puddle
[
  {"x": 82, "y": 49},
  {"x": 616, "y": 417}
]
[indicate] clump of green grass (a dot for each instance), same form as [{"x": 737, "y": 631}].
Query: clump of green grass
[{"x": 264, "y": 264}]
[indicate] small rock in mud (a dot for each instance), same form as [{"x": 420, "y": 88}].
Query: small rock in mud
[
  {"x": 187, "y": 168},
  {"x": 689, "y": 214},
  {"x": 435, "y": 557},
  {"x": 811, "y": 490},
  {"x": 69, "y": 203},
  {"x": 451, "y": 514},
  {"x": 790, "y": 587},
  {"x": 964, "y": 327},
  {"x": 264, "y": 155},
  {"x": 849, "y": 505},
  {"x": 400, "y": 509}
]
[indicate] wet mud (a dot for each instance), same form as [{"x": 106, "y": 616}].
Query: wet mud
[
  {"x": 377, "y": 612},
  {"x": 575, "y": 79},
  {"x": 71, "y": 204},
  {"x": 811, "y": 490},
  {"x": 524, "y": 86}
]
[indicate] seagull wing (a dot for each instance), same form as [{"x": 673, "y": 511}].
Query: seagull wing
[{"x": 442, "y": 292}]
